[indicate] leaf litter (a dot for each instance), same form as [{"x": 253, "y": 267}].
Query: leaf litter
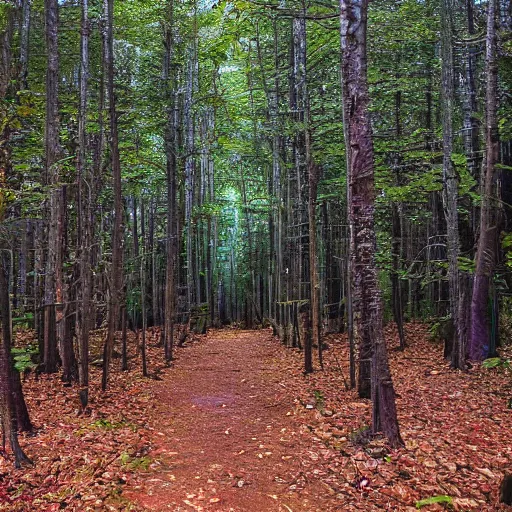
[{"x": 234, "y": 425}]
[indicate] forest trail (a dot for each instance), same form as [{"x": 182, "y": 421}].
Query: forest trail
[{"x": 225, "y": 438}]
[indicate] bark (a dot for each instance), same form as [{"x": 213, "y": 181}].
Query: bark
[
  {"x": 8, "y": 411},
  {"x": 124, "y": 346},
  {"x": 6, "y": 36},
  {"x": 53, "y": 314},
  {"x": 170, "y": 153},
  {"x": 116, "y": 282},
  {"x": 488, "y": 240},
  {"x": 188, "y": 120},
  {"x": 470, "y": 106},
  {"x": 450, "y": 179},
  {"x": 142, "y": 270},
  {"x": 22, "y": 270},
  {"x": 304, "y": 177},
  {"x": 360, "y": 174},
  {"x": 24, "y": 43},
  {"x": 153, "y": 248},
  {"x": 83, "y": 323},
  {"x": 69, "y": 364},
  {"x": 396, "y": 232},
  {"x": 313, "y": 261}
]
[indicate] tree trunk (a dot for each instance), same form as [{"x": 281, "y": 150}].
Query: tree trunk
[
  {"x": 142, "y": 270},
  {"x": 313, "y": 261},
  {"x": 8, "y": 413},
  {"x": 360, "y": 175},
  {"x": 53, "y": 276},
  {"x": 83, "y": 217},
  {"x": 450, "y": 179},
  {"x": 488, "y": 240},
  {"x": 190, "y": 171},
  {"x": 67, "y": 354},
  {"x": 24, "y": 43},
  {"x": 170, "y": 153},
  {"x": 116, "y": 279}
]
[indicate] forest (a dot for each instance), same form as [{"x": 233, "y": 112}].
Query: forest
[{"x": 255, "y": 255}]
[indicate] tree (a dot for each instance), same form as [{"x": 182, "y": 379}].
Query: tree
[
  {"x": 450, "y": 183},
  {"x": 170, "y": 157},
  {"x": 8, "y": 413},
  {"x": 487, "y": 242},
  {"x": 84, "y": 224},
  {"x": 53, "y": 275},
  {"x": 360, "y": 175},
  {"x": 116, "y": 276}
]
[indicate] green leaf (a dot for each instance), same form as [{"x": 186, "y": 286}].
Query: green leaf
[
  {"x": 433, "y": 500},
  {"x": 492, "y": 362}
]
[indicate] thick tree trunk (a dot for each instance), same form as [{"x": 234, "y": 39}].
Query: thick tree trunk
[
  {"x": 360, "y": 174},
  {"x": 487, "y": 250}
]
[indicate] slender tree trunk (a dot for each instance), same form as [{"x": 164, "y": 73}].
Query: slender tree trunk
[
  {"x": 190, "y": 171},
  {"x": 450, "y": 179},
  {"x": 170, "y": 153},
  {"x": 124, "y": 346},
  {"x": 470, "y": 107},
  {"x": 69, "y": 364},
  {"x": 142, "y": 268},
  {"x": 116, "y": 279},
  {"x": 313, "y": 261},
  {"x": 398, "y": 312},
  {"x": 24, "y": 43},
  {"x": 488, "y": 240},
  {"x": 367, "y": 295},
  {"x": 84, "y": 216},
  {"x": 153, "y": 248},
  {"x": 8, "y": 413},
  {"x": 53, "y": 277}
]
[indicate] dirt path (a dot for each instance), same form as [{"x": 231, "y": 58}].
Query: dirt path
[{"x": 224, "y": 436}]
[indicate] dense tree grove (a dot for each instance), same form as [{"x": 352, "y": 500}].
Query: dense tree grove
[{"x": 310, "y": 166}]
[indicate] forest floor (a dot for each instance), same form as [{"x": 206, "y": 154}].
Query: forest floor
[{"x": 234, "y": 425}]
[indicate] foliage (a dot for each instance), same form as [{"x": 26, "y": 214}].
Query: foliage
[
  {"x": 25, "y": 357},
  {"x": 442, "y": 499},
  {"x": 497, "y": 362},
  {"x": 134, "y": 463}
]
